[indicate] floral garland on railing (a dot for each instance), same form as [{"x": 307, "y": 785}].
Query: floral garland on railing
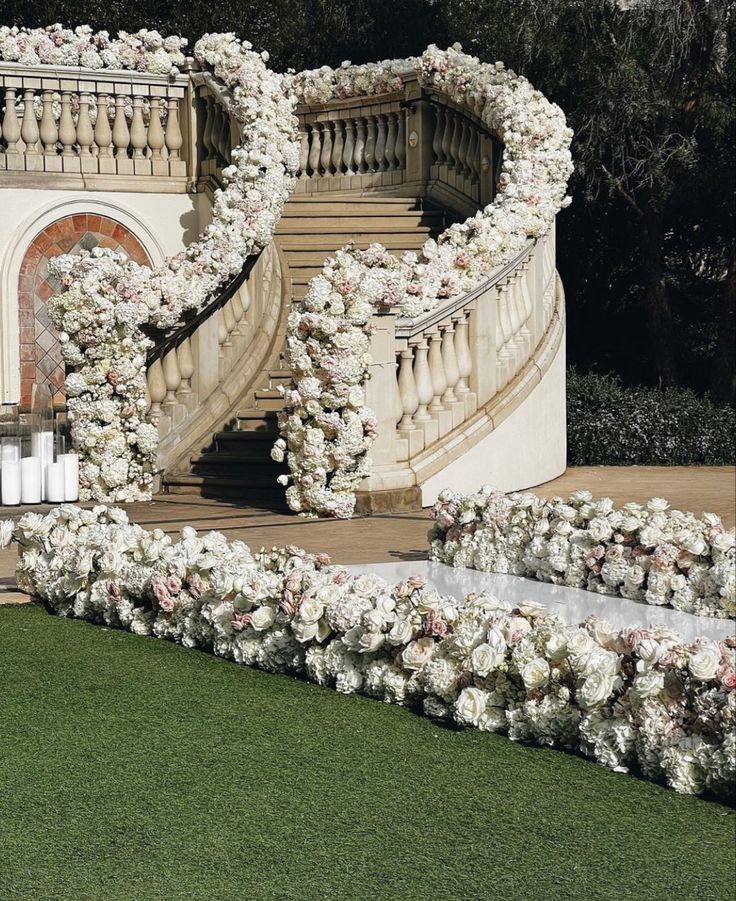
[
  {"x": 645, "y": 553},
  {"x": 326, "y": 429},
  {"x": 144, "y": 51},
  {"x": 636, "y": 698},
  {"x": 108, "y": 300}
]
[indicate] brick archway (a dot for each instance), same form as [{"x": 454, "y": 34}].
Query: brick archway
[{"x": 40, "y": 354}]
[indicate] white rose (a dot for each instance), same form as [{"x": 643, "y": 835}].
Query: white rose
[
  {"x": 304, "y": 632},
  {"x": 311, "y": 610},
  {"x": 657, "y": 505},
  {"x": 705, "y": 662},
  {"x": 649, "y": 651},
  {"x": 649, "y": 684},
  {"x": 596, "y": 689},
  {"x": 417, "y": 653},
  {"x": 486, "y": 658},
  {"x": 579, "y": 642},
  {"x": 470, "y": 705},
  {"x": 401, "y": 632},
  {"x": 263, "y": 618},
  {"x": 535, "y": 673},
  {"x": 556, "y": 647}
]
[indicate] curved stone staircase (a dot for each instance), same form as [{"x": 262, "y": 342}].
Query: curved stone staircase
[{"x": 236, "y": 462}]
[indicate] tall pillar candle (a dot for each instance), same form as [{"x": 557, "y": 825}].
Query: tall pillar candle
[
  {"x": 30, "y": 480},
  {"x": 55, "y": 483},
  {"x": 42, "y": 446},
  {"x": 71, "y": 475},
  {"x": 10, "y": 484}
]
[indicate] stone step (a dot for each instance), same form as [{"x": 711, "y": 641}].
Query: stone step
[
  {"x": 265, "y": 495},
  {"x": 260, "y": 421},
  {"x": 256, "y": 455},
  {"x": 329, "y": 244},
  {"x": 352, "y": 200},
  {"x": 357, "y": 225},
  {"x": 350, "y": 212},
  {"x": 269, "y": 399}
]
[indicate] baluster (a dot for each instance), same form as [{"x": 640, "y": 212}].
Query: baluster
[
  {"x": 527, "y": 307},
  {"x": 439, "y": 122},
  {"x": 326, "y": 155},
  {"x": 120, "y": 132},
  {"x": 360, "y": 138},
  {"x": 449, "y": 362},
  {"x": 11, "y": 125},
  {"x": 401, "y": 140},
  {"x": 455, "y": 142},
  {"x": 156, "y": 386},
  {"x": 380, "y": 151},
  {"x": 446, "y": 135},
  {"x": 473, "y": 157},
  {"x": 224, "y": 141},
  {"x": 338, "y": 145},
  {"x": 463, "y": 149},
  {"x": 369, "y": 154},
  {"x": 186, "y": 365},
  {"x": 244, "y": 298},
  {"x": 173, "y": 137},
  {"x": 303, "y": 153},
  {"x": 29, "y": 130},
  {"x": 67, "y": 132},
  {"x": 85, "y": 134},
  {"x": 172, "y": 377},
  {"x": 462, "y": 354},
  {"x": 49, "y": 131},
  {"x": 225, "y": 346},
  {"x": 422, "y": 381},
  {"x": 209, "y": 121},
  {"x": 391, "y": 158},
  {"x": 437, "y": 372},
  {"x": 408, "y": 390},
  {"x": 503, "y": 335},
  {"x": 236, "y": 314},
  {"x": 103, "y": 132},
  {"x": 229, "y": 319},
  {"x": 156, "y": 139},
  {"x": 517, "y": 339},
  {"x": 315, "y": 150},
  {"x": 138, "y": 129},
  {"x": 349, "y": 148}
]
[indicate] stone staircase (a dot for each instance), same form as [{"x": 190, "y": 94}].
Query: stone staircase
[{"x": 237, "y": 463}]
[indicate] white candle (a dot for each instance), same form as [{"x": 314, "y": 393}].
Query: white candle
[
  {"x": 9, "y": 453},
  {"x": 55, "y": 483},
  {"x": 42, "y": 445},
  {"x": 10, "y": 488},
  {"x": 71, "y": 475},
  {"x": 30, "y": 480}
]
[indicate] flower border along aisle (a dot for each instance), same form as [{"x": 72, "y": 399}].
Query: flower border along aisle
[
  {"x": 633, "y": 698},
  {"x": 652, "y": 554},
  {"x": 108, "y": 300},
  {"x": 327, "y": 431}
]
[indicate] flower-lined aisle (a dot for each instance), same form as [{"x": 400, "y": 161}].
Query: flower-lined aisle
[
  {"x": 635, "y": 698},
  {"x": 108, "y": 300},
  {"x": 645, "y": 553},
  {"x": 327, "y": 429}
]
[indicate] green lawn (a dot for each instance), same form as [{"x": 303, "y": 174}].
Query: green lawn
[{"x": 132, "y": 768}]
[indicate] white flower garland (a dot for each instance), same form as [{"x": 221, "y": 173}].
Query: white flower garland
[
  {"x": 636, "y": 698},
  {"x": 326, "y": 429},
  {"x": 144, "y": 51},
  {"x": 645, "y": 553},
  {"x": 108, "y": 299}
]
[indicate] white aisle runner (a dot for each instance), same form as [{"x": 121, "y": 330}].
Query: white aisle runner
[{"x": 572, "y": 605}]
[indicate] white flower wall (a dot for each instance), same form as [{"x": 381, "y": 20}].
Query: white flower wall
[
  {"x": 634, "y": 699},
  {"x": 327, "y": 431},
  {"x": 646, "y": 553}
]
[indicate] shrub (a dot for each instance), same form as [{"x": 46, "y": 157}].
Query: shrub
[{"x": 612, "y": 425}]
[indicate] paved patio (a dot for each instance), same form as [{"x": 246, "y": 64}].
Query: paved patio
[{"x": 402, "y": 536}]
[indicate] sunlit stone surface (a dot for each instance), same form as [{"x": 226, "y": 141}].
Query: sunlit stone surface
[{"x": 572, "y": 605}]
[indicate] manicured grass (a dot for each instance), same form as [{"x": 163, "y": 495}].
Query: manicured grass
[{"x": 131, "y": 768}]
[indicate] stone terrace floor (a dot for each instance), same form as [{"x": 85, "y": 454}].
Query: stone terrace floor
[{"x": 402, "y": 536}]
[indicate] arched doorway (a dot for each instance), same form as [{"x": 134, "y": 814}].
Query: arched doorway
[{"x": 39, "y": 351}]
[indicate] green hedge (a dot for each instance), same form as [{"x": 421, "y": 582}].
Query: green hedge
[{"x": 611, "y": 425}]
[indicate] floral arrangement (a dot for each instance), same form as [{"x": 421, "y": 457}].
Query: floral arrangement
[
  {"x": 637, "y": 698},
  {"x": 327, "y": 343},
  {"x": 108, "y": 299},
  {"x": 144, "y": 51},
  {"x": 645, "y": 553}
]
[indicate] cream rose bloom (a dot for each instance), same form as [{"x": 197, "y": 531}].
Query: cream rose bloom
[
  {"x": 596, "y": 689},
  {"x": 705, "y": 662},
  {"x": 417, "y": 653},
  {"x": 471, "y": 705},
  {"x": 263, "y": 618},
  {"x": 535, "y": 673},
  {"x": 486, "y": 658}
]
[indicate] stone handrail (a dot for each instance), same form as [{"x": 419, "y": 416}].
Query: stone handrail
[
  {"x": 411, "y": 142},
  {"x": 99, "y": 125},
  {"x": 431, "y": 375}
]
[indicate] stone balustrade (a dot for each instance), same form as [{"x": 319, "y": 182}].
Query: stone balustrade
[
  {"x": 65, "y": 121},
  {"x": 434, "y": 376},
  {"x": 413, "y": 142}
]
